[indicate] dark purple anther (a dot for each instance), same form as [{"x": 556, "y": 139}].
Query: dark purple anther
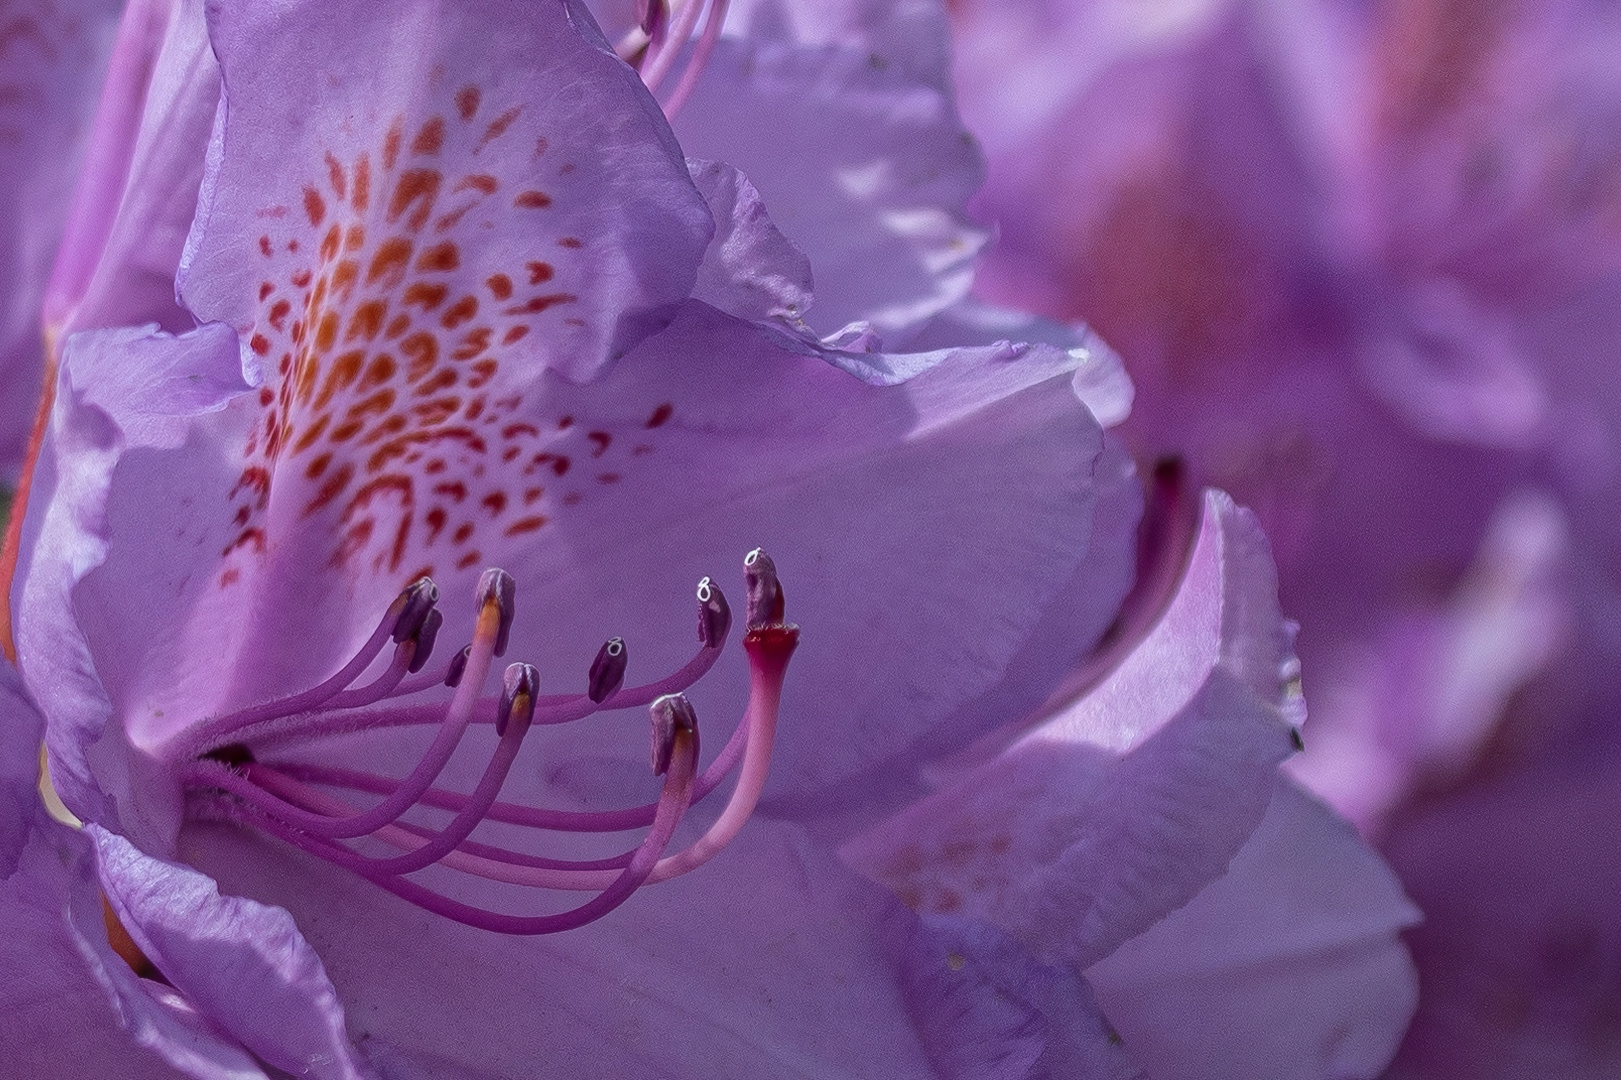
[
  {"x": 425, "y": 637},
  {"x": 670, "y": 713},
  {"x": 714, "y": 615},
  {"x": 416, "y": 602},
  {"x": 765, "y": 606},
  {"x": 497, "y": 585},
  {"x": 458, "y": 664},
  {"x": 518, "y": 688},
  {"x": 607, "y": 670}
]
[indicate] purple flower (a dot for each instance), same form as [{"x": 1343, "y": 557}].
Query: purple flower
[{"x": 452, "y": 297}]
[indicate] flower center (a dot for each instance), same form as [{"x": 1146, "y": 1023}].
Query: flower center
[{"x": 233, "y": 769}]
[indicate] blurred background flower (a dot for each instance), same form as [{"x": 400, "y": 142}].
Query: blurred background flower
[{"x": 1363, "y": 264}]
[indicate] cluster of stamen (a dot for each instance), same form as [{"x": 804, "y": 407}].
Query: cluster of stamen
[
  {"x": 230, "y": 768},
  {"x": 659, "y": 40}
]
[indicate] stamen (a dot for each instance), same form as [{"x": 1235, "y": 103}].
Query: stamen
[
  {"x": 663, "y": 51},
  {"x": 701, "y": 52},
  {"x": 607, "y": 670},
  {"x": 405, "y": 610},
  {"x": 232, "y": 779}
]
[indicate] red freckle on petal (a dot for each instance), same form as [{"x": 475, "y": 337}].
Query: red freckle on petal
[
  {"x": 425, "y": 295},
  {"x": 331, "y": 489},
  {"x": 600, "y": 441},
  {"x": 392, "y": 257},
  {"x": 354, "y": 541},
  {"x": 640, "y": 449},
  {"x": 317, "y": 466},
  {"x": 436, "y": 522},
  {"x": 467, "y": 99},
  {"x": 300, "y": 279},
  {"x": 398, "y": 325},
  {"x": 461, "y": 311},
  {"x": 242, "y": 516},
  {"x": 378, "y": 372},
  {"x": 355, "y": 238},
  {"x": 229, "y": 577},
  {"x": 660, "y": 415},
  {"x": 441, "y": 258},
  {"x": 470, "y": 559},
  {"x": 279, "y": 312},
  {"x": 430, "y": 138},
  {"x": 532, "y": 200},
  {"x": 498, "y": 127},
  {"x": 366, "y": 321},
  {"x": 437, "y": 465},
  {"x": 292, "y": 245},
  {"x": 347, "y": 430},
  {"x": 331, "y": 242},
  {"x": 473, "y": 343},
  {"x": 388, "y": 428},
  {"x": 362, "y": 197},
  {"x": 533, "y": 494},
  {"x": 475, "y": 407},
  {"x": 573, "y": 322},
  {"x": 443, "y": 379},
  {"x": 334, "y": 172},
  {"x": 571, "y": 242},
  {"x": 500, "y": 286},
  {"x": 423, "y": 350},
  {"x": 539, "y": 272},
  {"x": 264, "y": 247},
  {"x": 608, "y": 478},
  {"x": 480, "y": 182},
  {"x": 344, "y": 277},
  {"x": 536, "y": 304},
  {"x": 455, "y": 490},
  {"x": 326, "y": 333},
  {"x": 420, "y": 186},
  {"x": 512, "y": 431},
  {"x": 391, "y": 144},
  {"x": 265, "y": 396},
  {"x": 572, "y": 498},
  {"x": 483, "y": 372},
  {"x": 495, "y": 502},
  {"x": 344, "y": 371},
  {"x": 564, "y": 423},
  {"x": 566, "y": 169},
  {"x": 540, "y": 146},
  {"x": 430, "y": 413},
  {"x": 515, "y": 334},
  {"x": 525, "y": 525},
  {"x": 378, "y": 403},
  {"x": 266, "y": 288},
  {"x": 255, "y": 537},
  {"x": 314, "y": 206},
  {"x": 511, "y": 452},
  {"x": 463, "y": 532},
  {"x": 446, "y": 222},
  {"x": 559, "y": 463},
  {"x": 259, "y": 344}
]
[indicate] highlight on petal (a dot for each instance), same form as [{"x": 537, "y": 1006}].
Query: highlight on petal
[
  {"x": 1124, "y": 804},
  {"x": 1289, "y": 965},
  {"x": 872, "y": 182},
  {"x": 242, "y": 964},
  {"x": 750, "y": 269}
]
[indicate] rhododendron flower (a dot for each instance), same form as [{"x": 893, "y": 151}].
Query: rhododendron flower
[{"x": 452, "y": 298}]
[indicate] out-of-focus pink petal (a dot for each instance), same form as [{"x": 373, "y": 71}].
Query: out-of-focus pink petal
[{"x": 1287, "y": 967}]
